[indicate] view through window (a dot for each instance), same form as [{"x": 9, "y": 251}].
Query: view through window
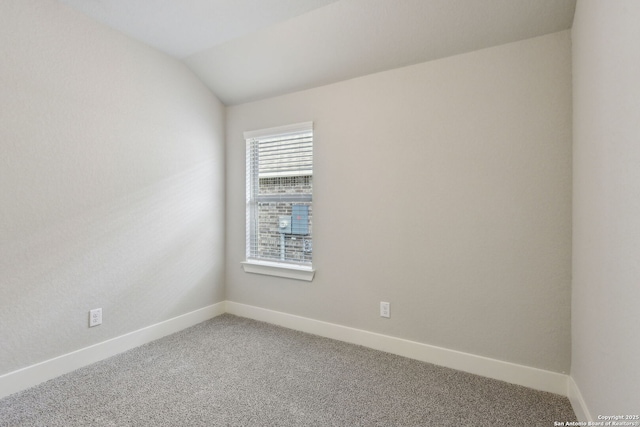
[{"x": 279, "y": 194}]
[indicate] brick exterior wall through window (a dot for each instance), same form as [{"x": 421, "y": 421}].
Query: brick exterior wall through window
[{"x": 298, "y": 248}]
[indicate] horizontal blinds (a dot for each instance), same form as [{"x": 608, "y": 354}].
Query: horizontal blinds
[{"x": 285, "y": 156}]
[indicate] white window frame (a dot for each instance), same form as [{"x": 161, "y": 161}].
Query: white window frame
[{"x": 263, "y": 266}]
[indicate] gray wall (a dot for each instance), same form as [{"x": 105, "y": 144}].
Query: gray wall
[
  {"x": 606, "y": 206},
  {"x": 111, "y": 184},
  {"x": 444, "y": 188}
]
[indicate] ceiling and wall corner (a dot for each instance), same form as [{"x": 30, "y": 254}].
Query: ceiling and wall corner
[
  {"x": 246, "y": 50},
  {"x": 185, "y": 27}
]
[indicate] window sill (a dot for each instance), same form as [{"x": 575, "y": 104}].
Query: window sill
[{"x": 279, "y": 269}]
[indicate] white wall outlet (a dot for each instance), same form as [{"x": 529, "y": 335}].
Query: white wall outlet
[
  {"x": 95, "y": 317},
  {"x": 385, "y": 309}
]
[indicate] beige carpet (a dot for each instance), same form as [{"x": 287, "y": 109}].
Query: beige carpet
[{"x": 231, "y": 371}]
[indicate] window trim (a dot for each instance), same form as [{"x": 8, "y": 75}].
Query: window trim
[
  {"x": 270, "y": 267},
  {"x": 279, "y": 130}
]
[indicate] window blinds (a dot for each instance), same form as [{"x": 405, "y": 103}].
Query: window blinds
[{"x": 291, "y": 155}]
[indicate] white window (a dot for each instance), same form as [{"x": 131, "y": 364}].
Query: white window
[{"x": 279, "y": 217}]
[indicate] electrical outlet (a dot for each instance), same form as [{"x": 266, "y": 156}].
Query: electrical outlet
[
  {"x": 385, "y": 309},
  {"x": 95, "y": 317}
]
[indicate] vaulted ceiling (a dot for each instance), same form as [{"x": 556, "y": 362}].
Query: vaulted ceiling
[{"x": 251, "y": 49}]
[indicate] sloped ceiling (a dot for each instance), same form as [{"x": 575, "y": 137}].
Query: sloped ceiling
[{"x": 251, "y": 49}]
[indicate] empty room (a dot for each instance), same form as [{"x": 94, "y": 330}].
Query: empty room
[{"x": 319, "y": 212}]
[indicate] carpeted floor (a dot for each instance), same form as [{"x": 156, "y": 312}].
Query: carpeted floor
[{"x": 231, "y": 371}]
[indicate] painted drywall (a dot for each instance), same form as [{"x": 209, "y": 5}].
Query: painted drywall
[
  {"x": 111, "y": 184},
  {"x": 606, "y": 206},
  {"x": 443, "y": 188}
]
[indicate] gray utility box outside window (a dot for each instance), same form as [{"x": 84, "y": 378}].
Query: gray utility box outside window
[
  {"x": 296, "y": 223},
  {"x": 284, "y": 224},
  {"x": 300, "y": 220}
]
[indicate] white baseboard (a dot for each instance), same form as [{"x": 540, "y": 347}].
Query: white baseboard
[
  {"x": 30, "y": 376},
  {"x": 538, "y": 379},
  {"x": 577, "y": 402}
]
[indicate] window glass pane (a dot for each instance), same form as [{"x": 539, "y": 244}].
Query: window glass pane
[{"x": 279, "y": 198}]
